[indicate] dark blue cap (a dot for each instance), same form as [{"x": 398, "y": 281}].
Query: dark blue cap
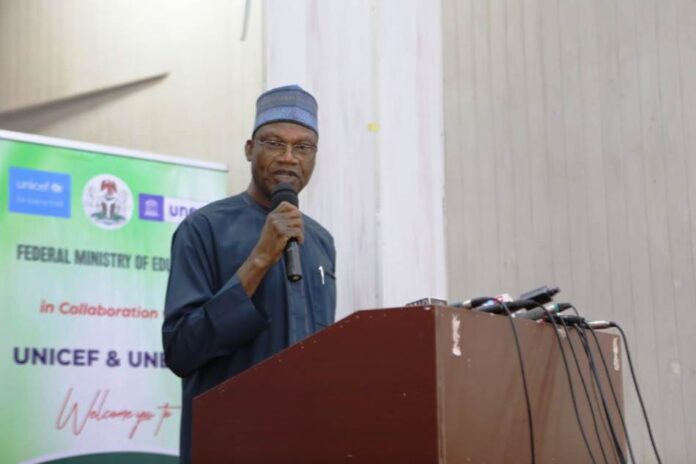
[{"x": 290, "y": 103}]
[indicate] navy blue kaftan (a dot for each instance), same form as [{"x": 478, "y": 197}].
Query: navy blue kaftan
[{"x": 212, "y": 330}]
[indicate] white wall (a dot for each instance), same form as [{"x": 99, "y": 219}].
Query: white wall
[
  {"x": 375, "y": 68},
  {"x": 75, "y": 68},
  {"x": 571, "y": 160}
]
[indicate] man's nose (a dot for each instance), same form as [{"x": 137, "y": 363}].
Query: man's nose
[{"x": 287, "y": 155}]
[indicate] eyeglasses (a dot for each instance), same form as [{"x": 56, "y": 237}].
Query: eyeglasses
[{"x": 299, "y": 151}]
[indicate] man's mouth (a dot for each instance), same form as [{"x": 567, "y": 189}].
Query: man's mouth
[{"x": 284, "y": 175}]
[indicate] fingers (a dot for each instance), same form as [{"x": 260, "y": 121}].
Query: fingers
[
  {"x": 284, "y": 228},
  {"x": 282, "y": 224},
  {"x": 287, "y": 222},
  {"x": 284, "y": 206}
]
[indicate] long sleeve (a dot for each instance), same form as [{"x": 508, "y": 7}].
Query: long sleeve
[
  {"x": 204, "y": 318},
  {"x": 212, "y": 330}
]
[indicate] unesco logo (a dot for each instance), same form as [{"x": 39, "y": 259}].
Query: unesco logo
[{"x": 165, "y": 209}]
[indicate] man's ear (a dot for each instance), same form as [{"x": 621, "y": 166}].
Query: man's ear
[{"x": 248, "y": 148}]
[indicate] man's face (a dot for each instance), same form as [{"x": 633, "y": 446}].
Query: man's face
[{"x": 272, "y": 165}]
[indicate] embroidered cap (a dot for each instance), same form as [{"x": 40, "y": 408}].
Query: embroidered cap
[{"x": 290, "y": 103}]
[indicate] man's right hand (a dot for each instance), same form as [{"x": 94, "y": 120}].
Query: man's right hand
[{"x": 282, "y": 224}]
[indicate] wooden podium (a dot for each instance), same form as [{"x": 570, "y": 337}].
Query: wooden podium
[{"x": 410, "y": 385}]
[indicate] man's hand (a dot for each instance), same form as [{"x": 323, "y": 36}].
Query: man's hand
[{"x": 282, "y": 224}]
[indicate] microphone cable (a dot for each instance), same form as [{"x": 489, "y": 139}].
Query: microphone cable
[
  {"x": 551, "y": 318},
  {"x": 524, "y": 380},
  {"x": 579, "y": 327},
  {"x": 613, "y": 392},
  {"x": 635, "y": 383},
  {"x": 595, "y": 376},
  {"x": 584, "y": 387}
]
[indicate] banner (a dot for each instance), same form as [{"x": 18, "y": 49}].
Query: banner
[{"x": 85, "y": 233}]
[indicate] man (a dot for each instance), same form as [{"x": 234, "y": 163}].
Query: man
[{"x": 229, "y": 302}]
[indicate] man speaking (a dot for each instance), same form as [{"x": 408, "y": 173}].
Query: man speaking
[{"x": 250, "y": 274}]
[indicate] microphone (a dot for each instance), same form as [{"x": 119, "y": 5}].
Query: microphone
[
  {"x": 472, "y": 303},
  {"x": 293, "y": 266},
  {"x": 512, "y": 306},
  {"x": 538, "y": 313},
  {"x": 541, "y": 295},
  {"x": 427, "y": 301},
  {"x": 482, "y": 301},
  {"x": 599, "y": 324}
]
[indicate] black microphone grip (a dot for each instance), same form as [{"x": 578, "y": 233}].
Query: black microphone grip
[{"x": 293, "y": 266}]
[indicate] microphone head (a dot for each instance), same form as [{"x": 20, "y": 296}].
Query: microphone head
[
  {"x": 512, "y": 306},
  {"x": 284, "y": 192},
  {"x": 599, "y": 324},
  {"x": 541, "y": 295}
]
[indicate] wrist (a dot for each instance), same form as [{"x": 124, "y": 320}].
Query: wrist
[
  {"x": 260, "y": 260},
  {"x": 253, "y": 270}
]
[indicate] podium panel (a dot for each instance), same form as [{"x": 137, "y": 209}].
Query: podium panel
[
  {"x": 482, "y": 408},
  {"x": 407, "y": 385}
]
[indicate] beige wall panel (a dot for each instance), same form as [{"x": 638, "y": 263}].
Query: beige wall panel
[
  {"x": 502, "y": 151},
  {"x": 461, "y": 142},
  {"x": 346, "y": 167},
  {"x": 577, "y": 121},
  {"x": 411, "y": 154},
  {"x": 670, "y": 411},
  {"x": 677, "y": 348},
  {"x": 685, "y": 21},
  {"x": 51, "y": 49},
  {"x": 576, "y": 175},
  {"x": 637, "y": 233},
  {"x": 67, "y": 66},
  {"x": 376, "y": 69},
  {"x": 521, "y": 198},
  {"x": 536, "y": 113}
]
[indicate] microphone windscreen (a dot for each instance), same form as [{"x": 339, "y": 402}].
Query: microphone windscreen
[{"x": 284, "y": 192}]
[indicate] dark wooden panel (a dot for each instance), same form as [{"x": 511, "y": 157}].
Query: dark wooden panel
[
  {"x": 361, "y": 391},
  {"x": 482, "y": 406}
]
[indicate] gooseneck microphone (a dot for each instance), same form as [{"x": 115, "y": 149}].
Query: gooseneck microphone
[
  {"x": 293, "y": 266},
  {"x": 473, "y": 303},
  {"x": 512, "y": 306},
  {"x": 541, "y": 295},
  {"x": 542, "y": 312}
]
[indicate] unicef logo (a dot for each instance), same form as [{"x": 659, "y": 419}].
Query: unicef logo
[{"x": 108, "y": 201}]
